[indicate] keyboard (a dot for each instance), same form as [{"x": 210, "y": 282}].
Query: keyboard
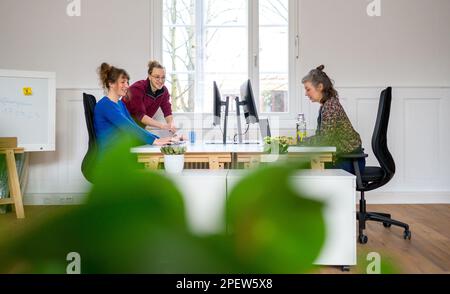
[
  {"x": 233, "y": 142},
  {"x": 179, "y": 143}
]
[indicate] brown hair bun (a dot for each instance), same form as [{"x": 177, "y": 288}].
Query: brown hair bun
[
  {"x": 110, "y": 74},
  {"x": 320, "y": 67},
  {"x": 152, "y": 65}
]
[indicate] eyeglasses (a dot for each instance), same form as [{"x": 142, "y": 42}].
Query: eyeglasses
[{"x": 159, "y": 78}]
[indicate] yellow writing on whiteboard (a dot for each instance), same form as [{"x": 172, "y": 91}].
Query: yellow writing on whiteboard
[{"x": 27, "y": 91}]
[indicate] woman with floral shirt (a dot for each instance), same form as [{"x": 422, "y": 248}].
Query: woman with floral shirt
[{"x": 333, "y": 126}]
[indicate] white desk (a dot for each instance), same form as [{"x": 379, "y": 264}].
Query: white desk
[
  {"x": 205, "y": 194},
  {"x": 231, "y": 148},
  {"x": 337, "y": 189},
  {"x": 219, "y": 156}
]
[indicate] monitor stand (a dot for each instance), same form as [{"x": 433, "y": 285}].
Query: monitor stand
[
  {"x": 238, "y": 123},
  {"x": 251, "y": 142},
  {"x": 225, "y": 125},
  {"x": 238, "y": 119},
  {"x": 218, "y": 142}
]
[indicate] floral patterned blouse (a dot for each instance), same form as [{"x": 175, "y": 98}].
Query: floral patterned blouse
[{"x": 335, "y": 129}]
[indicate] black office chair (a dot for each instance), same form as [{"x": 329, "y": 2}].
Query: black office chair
[
  {"x": 88, "y": 163},
  {"x": 373, "y": 177}
]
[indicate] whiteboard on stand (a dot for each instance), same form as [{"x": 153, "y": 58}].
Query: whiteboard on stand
[{"x": 28, "y": 108}]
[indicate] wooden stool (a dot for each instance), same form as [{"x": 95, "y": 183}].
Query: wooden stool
[{"x": 8, "y": 146}]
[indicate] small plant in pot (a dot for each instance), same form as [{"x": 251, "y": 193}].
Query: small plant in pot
[
  {"x": 277, "y": 145},
  {"x": 173, "y": 158}
]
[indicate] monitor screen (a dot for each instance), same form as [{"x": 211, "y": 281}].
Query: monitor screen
[
  {"x": 217, "y": 104},
  {"x": 250, "y": 112},
  {"x": 264, "y": 128}
]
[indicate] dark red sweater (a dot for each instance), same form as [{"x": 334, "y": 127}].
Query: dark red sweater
[{"x": 141, "y": 101}]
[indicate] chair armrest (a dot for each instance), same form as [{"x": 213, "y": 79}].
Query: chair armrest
[{"x": 354, "y": 156}]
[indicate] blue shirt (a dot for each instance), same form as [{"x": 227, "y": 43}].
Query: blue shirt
[{"x": 111, "y": 119}]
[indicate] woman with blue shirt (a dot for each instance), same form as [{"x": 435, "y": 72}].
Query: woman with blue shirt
[{"x": 111, "y": 116}]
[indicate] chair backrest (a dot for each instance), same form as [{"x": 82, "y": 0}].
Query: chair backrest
[
  {"x": 379, "y": 137},
  {"x": 89, "y": 103}
]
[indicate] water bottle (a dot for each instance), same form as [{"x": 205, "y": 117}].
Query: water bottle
[
  {"x": 300, "y": 127},
  {"x": 192, "y": 136}
]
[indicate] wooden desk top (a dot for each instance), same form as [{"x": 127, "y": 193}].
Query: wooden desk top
[{"x": 16, "y": 150}]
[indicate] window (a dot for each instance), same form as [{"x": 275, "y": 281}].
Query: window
[
  {"x": 227, "y": 42},
  {"x": 179, "y": 52},
  {"x": 273, "y": 55}
]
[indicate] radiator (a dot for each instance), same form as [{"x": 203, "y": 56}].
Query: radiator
[{"x": 197, "y": 165}]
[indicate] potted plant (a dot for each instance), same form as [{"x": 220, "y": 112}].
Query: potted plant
[
  {"x": 277, "y": 145},
  {"x": 173, "y": 158},
  {"x": 276, "y": 148}
]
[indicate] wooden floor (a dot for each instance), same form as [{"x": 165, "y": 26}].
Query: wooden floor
[{"x": 427, "y": 252}]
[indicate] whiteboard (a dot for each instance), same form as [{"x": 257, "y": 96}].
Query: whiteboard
[{"x": 27, "y": 108}]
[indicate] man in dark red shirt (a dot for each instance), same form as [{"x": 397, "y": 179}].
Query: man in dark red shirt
[{"x": 145, "y": 97}]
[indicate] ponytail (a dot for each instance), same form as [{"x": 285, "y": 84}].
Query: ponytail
[{"x": 109, "y": 74}]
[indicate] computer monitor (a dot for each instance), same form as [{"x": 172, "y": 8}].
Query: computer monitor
[
  {"x": 248, "y": 103},
  {"x": 217, "y": 104},
  {"x": 249, "y": 106},
  {"x": 217, "y": 109},
  {"x": 264, "y": 128}
]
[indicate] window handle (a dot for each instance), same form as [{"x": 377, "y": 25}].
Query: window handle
[
  {"x": 255, "y": 60},
  {"x": 297, "y": 45}
]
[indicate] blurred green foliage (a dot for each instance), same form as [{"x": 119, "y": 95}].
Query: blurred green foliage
[
  {"x": 134, "y": 221},
  {"x": 273, "y": 229}
]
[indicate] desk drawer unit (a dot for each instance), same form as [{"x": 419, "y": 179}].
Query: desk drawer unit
[{"x": 336, "y": 189}]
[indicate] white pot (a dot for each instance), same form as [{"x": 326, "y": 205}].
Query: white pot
[{"x": 174, "y": 164}]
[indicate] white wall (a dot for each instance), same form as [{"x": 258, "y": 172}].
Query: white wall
[
  {"x": 408, "y": 46},
  {"x": 39, "y": 35}
]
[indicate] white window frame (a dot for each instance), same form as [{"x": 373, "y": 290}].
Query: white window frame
[{"x": 294, "y": 103}]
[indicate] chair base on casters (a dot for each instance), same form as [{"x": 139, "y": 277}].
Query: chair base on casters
[{"x": 362, "y": 216}]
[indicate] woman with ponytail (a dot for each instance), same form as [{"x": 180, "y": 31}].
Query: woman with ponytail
[
  {"x": 333, "y": 126},
  {"x": 111, "y": 117},
  {"x": 145, "y": 97}
]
